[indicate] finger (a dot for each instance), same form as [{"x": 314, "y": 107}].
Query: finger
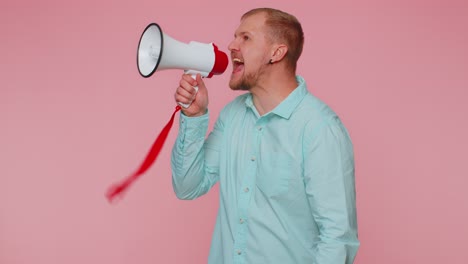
[
  {"x": 183, "y": 96},
  {"x": 188, "y": 78},
  {"x": 186, "y": 85},
  {"x": 199, "y": 78},
  {"x": 182, "y": 99},
  {"x": 182, "y": 92},
  {"x": 200, "y": 82}
]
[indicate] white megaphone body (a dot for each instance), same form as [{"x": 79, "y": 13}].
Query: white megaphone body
[{"x": 158, "y": 51}]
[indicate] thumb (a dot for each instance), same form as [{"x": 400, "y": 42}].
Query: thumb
[{"x": 201, "y": 85}]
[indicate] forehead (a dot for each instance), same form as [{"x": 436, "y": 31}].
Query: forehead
[{"x": 252, "y": 24}]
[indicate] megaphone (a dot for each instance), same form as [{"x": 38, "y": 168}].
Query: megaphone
[{"x": 158, "y": 51}]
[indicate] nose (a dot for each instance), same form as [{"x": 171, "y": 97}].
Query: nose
[{"x": 233, "y": 46}]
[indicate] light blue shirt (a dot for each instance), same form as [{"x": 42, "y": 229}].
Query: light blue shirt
[{"x": 286, "y": 181}]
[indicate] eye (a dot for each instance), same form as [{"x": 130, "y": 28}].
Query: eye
[{"x": 245, "y": 37}]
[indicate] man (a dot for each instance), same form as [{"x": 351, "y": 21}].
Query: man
[{"x": 283, "y": 159}]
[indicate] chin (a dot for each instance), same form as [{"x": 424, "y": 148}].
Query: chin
[
  {"x": 234, "y": 83},
  {"x": 234, "y": 86},
  {"x": 239, "y": 87},
  {"x": 240, "y": 82}
]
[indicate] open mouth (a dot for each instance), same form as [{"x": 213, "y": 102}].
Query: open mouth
[{"x": 238, "y": 65}]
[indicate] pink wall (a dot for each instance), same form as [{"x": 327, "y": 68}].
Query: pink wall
[{"x": 76, "y": 116}]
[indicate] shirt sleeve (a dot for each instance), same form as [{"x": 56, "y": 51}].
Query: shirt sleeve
[
  {"x": 330, "y": 187},
  {"x": 195, "y": 160}
]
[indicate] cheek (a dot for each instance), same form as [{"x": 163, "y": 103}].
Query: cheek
[
  {"x": 254, "y": 63},
  {"x": 254, "y": 57}
]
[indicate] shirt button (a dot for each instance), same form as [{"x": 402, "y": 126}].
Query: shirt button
[
  {"x": 246, "y": 189},
  {"x": 259, "y": 128},
  {"x": 239, "y": 252},
  {"x": 241, "y": 221},
  {"x": 252, "y": 158}
]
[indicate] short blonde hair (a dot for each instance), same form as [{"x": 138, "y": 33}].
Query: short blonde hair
[{"x": 283, "y": 27}]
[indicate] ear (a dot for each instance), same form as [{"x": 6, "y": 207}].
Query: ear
[{"x": 278, "y": 53}]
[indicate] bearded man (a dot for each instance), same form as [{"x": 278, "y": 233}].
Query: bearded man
[{"x": 283, "y": 159}]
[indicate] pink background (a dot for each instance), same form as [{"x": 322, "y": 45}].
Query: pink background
[{"x": 76, "y": 116}]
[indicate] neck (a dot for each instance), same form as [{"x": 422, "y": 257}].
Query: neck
[{"x": 271, "y": 91}]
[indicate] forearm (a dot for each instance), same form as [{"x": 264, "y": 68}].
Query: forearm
[{"x": 190, "y": 176}]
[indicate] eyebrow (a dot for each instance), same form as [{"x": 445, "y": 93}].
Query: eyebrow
[{"x": 242, "y": 33}]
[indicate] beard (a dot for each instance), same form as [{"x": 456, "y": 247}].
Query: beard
[{"x": 248, "y": 80}]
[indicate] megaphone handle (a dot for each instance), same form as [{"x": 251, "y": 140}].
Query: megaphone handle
[{"x": 194, "y": 76}]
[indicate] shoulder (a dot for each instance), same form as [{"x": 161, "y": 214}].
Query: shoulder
[
  {"x": 319, "y": 117},
  {"x": 311, "y": 109},
  {"x": 322, "y": 122},
  {"x": 315, "y": 111}
]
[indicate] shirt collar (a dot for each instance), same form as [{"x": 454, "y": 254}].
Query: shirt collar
[{"x": 288, "y": 105}]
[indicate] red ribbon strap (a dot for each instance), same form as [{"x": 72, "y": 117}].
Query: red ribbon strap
[{"x": 117, "y": 189}]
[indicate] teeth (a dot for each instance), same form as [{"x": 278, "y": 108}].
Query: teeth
[{"x": 237, "y": 60}]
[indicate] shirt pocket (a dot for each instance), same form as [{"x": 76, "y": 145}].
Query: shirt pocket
[{"x": 274, "y": 174}]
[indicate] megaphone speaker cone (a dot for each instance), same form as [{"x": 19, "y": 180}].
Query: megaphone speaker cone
[{"x": 150, "y": 49}]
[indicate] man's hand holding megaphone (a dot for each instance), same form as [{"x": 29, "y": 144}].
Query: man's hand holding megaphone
[{"x": 187, "y": 94}]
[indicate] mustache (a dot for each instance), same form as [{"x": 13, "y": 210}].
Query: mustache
[{"x": 236, "y": 55}]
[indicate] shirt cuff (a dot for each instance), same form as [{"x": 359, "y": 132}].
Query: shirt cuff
[{"x": 193, "y": 127}]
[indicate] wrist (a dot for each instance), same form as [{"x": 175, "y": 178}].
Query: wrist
[{"x": 197, "y": 114}]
